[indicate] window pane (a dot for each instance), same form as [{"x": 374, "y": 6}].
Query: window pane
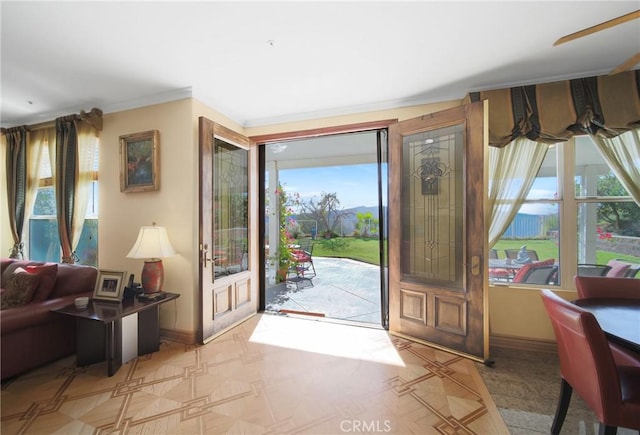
[
  {"x": 44, "y": 241},
  {"x": 92, "y": 206},
  {"x": 545, "y": 185},
  {"x": 231, "y": 212},
  {"x": 45, "y": 202},
  {"x": 87, "y": 249},
  {"x": 531, "y": 241},
  {"x": 592, "y": 175},
  {"x": 607, "y": 231}
]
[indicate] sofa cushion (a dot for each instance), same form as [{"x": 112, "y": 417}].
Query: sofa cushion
[
  {"x": 11, "y": 268},
  {"x": 19, "y": 288},
  {"x": 74, "y": 278},
  {"x": 47, "y": 273}
]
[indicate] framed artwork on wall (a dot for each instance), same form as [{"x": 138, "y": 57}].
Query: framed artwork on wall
[
  {"x": 140, "y": 162},
  {"x": 109, "y": 286}
]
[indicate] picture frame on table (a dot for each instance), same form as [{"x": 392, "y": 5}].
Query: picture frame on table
[
  {"x": 140, "y": 161},
  {"x": 109, "y": 285}
]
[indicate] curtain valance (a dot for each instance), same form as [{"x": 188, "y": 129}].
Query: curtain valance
[
  {"x": 553, "y": 112},
  {"x": 92, "y": 118}
]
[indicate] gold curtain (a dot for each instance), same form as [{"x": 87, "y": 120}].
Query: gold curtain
[
  {"x": 76, "y": 145},
  {"x": 512, "y": 171},
  {"x": 604, "y": 106},
  {"x": 38, "y": 140},
  {"x": 16, "y": 173},
  {"x": 622, "y": 154}
]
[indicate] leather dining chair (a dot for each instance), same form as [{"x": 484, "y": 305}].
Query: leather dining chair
[
  {"x": 587, "y": 366},
  {"x": 603, "y": 287}
]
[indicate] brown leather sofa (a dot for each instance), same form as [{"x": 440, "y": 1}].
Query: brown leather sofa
[{"x": 31, "y": 335}]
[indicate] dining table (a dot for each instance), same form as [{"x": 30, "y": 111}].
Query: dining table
[{"x": 618, "y": 318}]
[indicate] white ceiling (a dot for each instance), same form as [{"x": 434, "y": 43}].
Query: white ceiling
[{"x": 327, "y": 58}]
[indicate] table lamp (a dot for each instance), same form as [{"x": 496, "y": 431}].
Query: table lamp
[{"x": 153, "y": 245}]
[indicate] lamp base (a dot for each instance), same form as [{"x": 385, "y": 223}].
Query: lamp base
[{"x": 152, "y": 276}]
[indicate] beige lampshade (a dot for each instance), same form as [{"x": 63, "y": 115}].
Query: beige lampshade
[{"x": 152, "y": 242}]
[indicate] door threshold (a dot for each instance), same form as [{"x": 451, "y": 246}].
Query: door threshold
[{"x": 320, "y": 317}]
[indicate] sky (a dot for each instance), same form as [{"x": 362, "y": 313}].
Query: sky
[{"x": 355, "y": 185}]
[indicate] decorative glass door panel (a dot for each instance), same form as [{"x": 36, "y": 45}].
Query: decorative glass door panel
[
  {"x": 437, "y": 236},
  {"x": 230, "y": 209},
  {"x": 432, "y": 212}
]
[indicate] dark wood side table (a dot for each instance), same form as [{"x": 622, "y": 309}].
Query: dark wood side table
[{"x": 107, "y": 330}]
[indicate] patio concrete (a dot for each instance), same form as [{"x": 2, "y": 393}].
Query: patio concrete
[{"x": 342, "y": 289}]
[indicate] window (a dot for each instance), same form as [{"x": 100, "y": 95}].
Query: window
[
  {"x": 577, "y": 215},
  {"x": 44, "y": 242},
  {"x": 534, "y": 234},
  {"x": 608, "y": 220}
]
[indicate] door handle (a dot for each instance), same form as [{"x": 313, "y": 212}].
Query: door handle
[
  {"x": 205, "y": 253},
  {"x": 475, "y": 265}
]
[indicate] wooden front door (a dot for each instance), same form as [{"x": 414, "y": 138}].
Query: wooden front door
[
  {"x": 228, "y": 211},
  {"x": 438, "y": 240}
]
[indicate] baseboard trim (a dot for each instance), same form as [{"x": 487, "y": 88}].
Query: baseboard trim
[
  {"x": 185, "y": 337},
  {"x": 519, "y": 343}
]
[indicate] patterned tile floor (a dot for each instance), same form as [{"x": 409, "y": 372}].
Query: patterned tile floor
[
  {"x": 525, "y": 386},
  {"x": 269, "y": 375}
]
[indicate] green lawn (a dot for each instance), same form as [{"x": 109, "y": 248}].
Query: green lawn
[
  {"x": 548, "y": 249},
  {"x": 367, "y": 250}
]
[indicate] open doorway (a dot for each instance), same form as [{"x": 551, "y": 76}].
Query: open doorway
[{"x": 325, "y": 231}]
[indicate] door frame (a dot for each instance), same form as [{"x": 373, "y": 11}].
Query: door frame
[{"x": 261, "y": 141}]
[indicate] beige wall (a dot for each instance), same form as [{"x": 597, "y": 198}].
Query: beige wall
[
  {"x": 513, "y": 312},
  {"x": 519, "y": 313},
  {"x": 399, "y": 114},
  {"x": 174, "y": 205},
  {"x": 122, "y": 214}
]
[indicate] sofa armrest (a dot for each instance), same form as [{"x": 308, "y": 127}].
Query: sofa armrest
[{"x": 34, "y": 313}]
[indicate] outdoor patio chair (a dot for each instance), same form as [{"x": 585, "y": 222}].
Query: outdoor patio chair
[
  {"x": 586, "y": 269},
  {"x": 302, "y": 259},
  {"x": 541, "y": 272},
  {"x": 621, "y": 268}
]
